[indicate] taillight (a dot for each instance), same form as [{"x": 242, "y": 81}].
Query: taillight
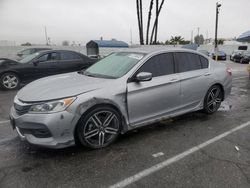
[{"x": 229, "y": 71}]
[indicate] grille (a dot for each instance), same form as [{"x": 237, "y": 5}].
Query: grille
[
  {"x": 39, "y": 133},
  {"x": 21, "y": 109}
]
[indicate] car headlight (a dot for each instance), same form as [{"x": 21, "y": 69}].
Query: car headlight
[{"x": 52, "y": 106}]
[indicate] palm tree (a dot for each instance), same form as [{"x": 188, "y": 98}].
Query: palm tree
[
  {"x": 140, "y": 21},
  {"x": 149, "y": 19},
  {"x": 176, "y": 40},
  {"x": 155, "y": 26}
]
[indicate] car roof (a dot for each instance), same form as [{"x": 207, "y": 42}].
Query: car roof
[
  {"x": 38, "y": 48},
  {"x": 49, "y": 51},
  {"x": 152, "y": 51},
  {"x": 157, "y": 50}
]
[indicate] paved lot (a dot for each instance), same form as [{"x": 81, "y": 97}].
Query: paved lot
[{"x": 223, "y": 163}]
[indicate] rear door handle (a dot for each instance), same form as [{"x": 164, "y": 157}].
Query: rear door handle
[{"x": 207, "y": 74}]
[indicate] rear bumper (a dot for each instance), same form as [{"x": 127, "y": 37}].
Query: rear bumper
[
  {"x": 220, "y": 57},
  {"x": 227, "y": 86},
  {"x": 227, "y": 90}
]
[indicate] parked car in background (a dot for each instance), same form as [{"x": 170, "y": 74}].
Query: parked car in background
[
  {"x": 236, "y": 55},
  {"x": 22, "y": 54},
  {"x": 205, "y": 52},
  {"x": 221, "y": 55},
  {"x": 40, "y": 64},
  {"x": 248, "y": 69},
  {"x": 121, "y": 92},
  {"x": 245, "y": 57}
]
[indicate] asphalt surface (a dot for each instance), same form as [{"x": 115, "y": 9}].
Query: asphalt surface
[{"x": 224, "y": 163}]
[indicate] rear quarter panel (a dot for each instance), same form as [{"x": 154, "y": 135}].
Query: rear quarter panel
[{"x": 221, "y": 76}]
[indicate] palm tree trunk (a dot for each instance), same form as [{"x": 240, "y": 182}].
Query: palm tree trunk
[
  {"x": 141, "y": 20},
  {"x": 156, "y": 19},
  {"x": 149, "y": 19}
]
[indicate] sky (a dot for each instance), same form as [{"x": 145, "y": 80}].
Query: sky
[{"x": 84, "y": 20}]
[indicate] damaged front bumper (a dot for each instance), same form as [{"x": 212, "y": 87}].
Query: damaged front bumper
[{"x": 55, "y": 130}]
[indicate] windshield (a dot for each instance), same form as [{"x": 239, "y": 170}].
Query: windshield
[
  {"x": 26, "y": 52},
  {"x": 115, "y": 65},
  {"x": 29, "y": 58}
]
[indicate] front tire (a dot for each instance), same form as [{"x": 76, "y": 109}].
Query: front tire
[
  {"x": 9, "y": 81},
  {"x": 213, "y": 99},
  {"x": 99, "y": 128}
]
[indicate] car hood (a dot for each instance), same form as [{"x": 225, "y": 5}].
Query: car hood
[
  {"x": 60, "y": 86},
  {"x": 5, "y": 62}
]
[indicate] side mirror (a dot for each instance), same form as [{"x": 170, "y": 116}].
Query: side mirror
[
  {"x": 144, "y": 76},
  {"x": 35, "y": 62}
]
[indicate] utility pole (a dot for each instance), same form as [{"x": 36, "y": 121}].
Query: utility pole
[
  {"x": 198, "y": 31},
  {"x": 131, "y": 37},
  {"x": 218, "y": 5},
  {"x": 46, "y": 37},
  {"x": 191, "y": 41}
]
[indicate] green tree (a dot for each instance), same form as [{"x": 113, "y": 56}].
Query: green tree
[
  {"x": 65, "y": 43},
  {"x": 221, "y": 41},
  {"x": 26, "y": 44},
  {"x": 199, "y": 39},
  {"x": 176, "y": 40}
]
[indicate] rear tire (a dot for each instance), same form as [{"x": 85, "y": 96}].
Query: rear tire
[
  {"x": 99, "y": 128},
  {"x": 213, "y": 99},
  {"x": 9, "y": 81}
]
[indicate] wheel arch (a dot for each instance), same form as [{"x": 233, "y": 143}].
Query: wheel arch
[
  {"x": 107, "y": 103},
  {"x": 222, "y": 89},
  {"x": 10, "y": 71}
]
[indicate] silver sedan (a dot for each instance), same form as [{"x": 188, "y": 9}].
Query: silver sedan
[{"x": 121, "y": 92}]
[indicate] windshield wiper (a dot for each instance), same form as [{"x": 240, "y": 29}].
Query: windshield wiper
[
  {"x": 96, "y": 75},
  {"x": 81, "y": 72},
  {"x": 88, "y": 74}
]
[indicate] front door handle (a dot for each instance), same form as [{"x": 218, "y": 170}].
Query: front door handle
[
  {"x": 207, "y": 74},
  {"x": 174, "y": 80}
]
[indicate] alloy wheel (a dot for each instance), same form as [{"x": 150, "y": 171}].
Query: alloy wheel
[
  {"x": 214, "y": 99},
  {"x": 101, "y": 128},
  {"x": 10, "y": 81}
]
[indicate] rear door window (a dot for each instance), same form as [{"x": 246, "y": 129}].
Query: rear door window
[
  {"x": 69, "y": 56},
  {"x": 187, "y": 61},
  {"x": 159, "y": 65},
  {"x": 54, "y": 56},
  {"x": 204, "y": 62}
]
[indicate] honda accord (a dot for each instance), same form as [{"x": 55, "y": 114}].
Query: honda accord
[{"x": 121, "y": 92}]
